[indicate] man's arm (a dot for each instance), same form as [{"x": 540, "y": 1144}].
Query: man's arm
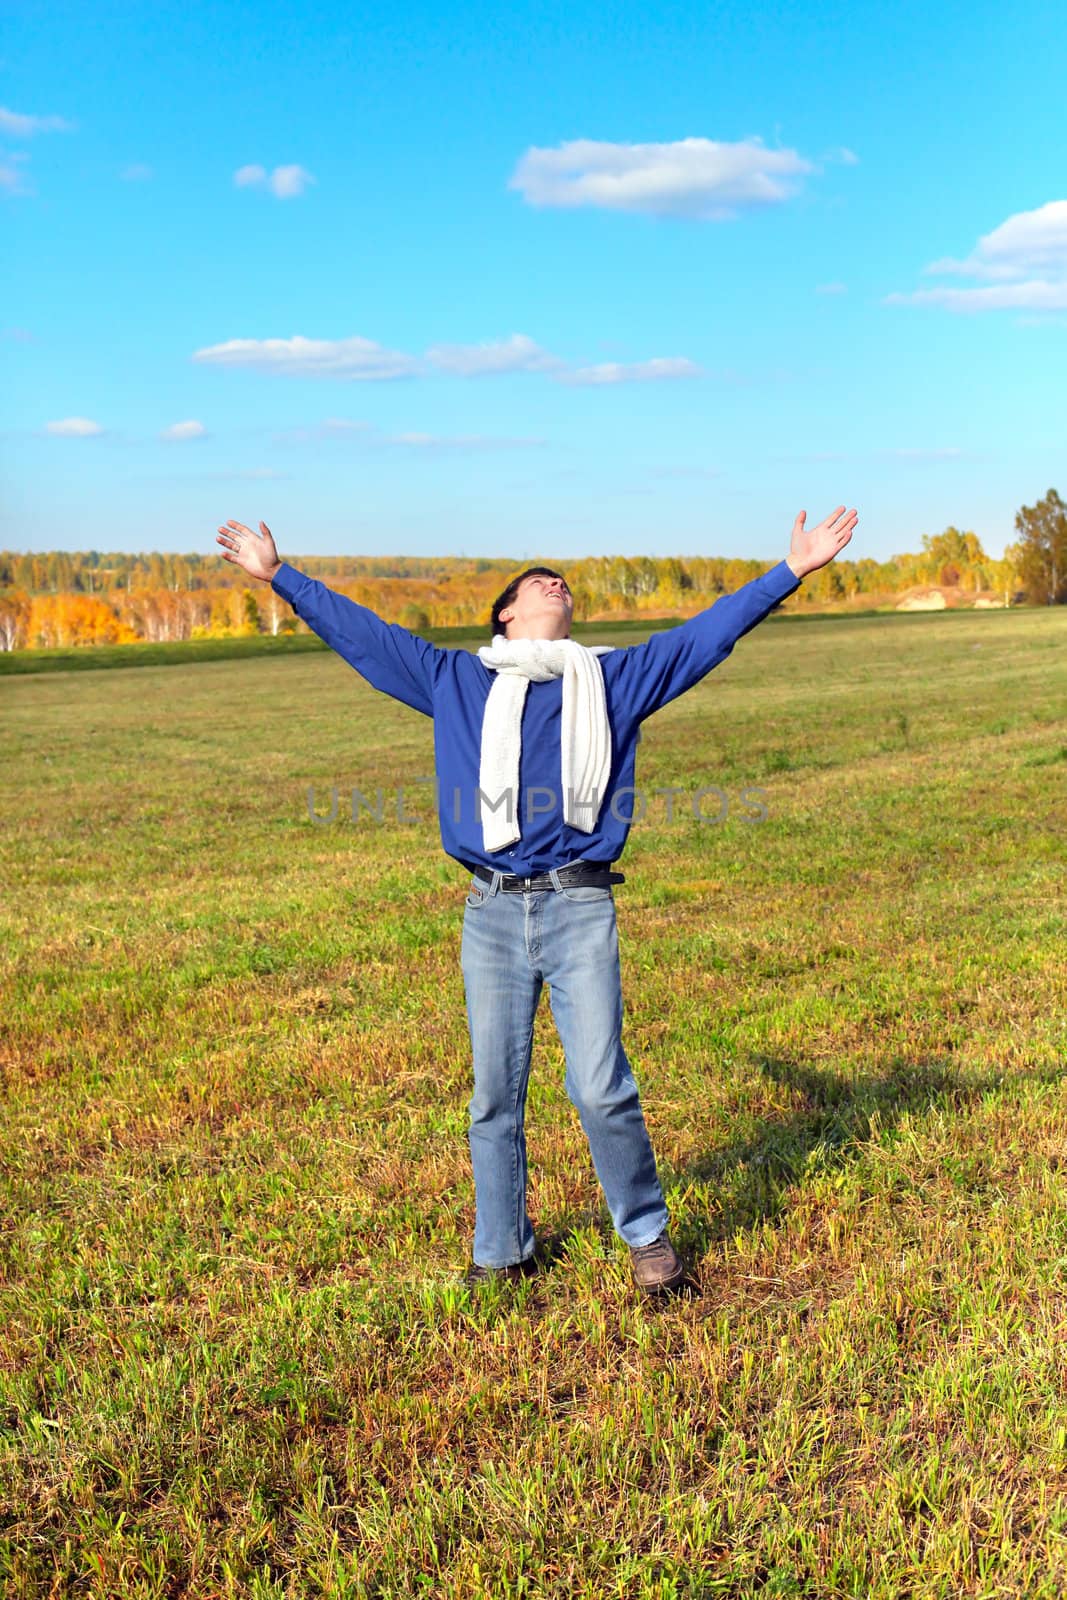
[
  {"x": 653, "y": 674},
  {"x": 391, "y": 658}
]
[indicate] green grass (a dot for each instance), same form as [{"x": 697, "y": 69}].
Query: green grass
[{"x": 236, "y": 1359}]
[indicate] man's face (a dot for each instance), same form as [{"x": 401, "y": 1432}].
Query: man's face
[{"x": 542, "y": 609}]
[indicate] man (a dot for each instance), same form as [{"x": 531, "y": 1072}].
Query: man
[{"x": 534, "y": 739}]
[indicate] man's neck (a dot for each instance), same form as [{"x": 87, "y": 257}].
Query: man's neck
[{"x": 549, "y": 638}]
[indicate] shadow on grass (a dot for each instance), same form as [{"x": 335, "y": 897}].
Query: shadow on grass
[{"x": 825, "y": 1134}]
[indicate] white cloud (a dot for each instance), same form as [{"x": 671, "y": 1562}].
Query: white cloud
[
  {"x": 1030, "y": 241},
  {"x": 362, "y": 359},
  {"x": 847, "y": 158},
  {"x": 353, "y": 359},
  {"x": 284, "y": 182},
  {"x": 654, "y": 371},
  {"x": 1020, "y": 265},
  {"x": 967, "y": 269},
  {"x": 289, "y": 181},
  {"x": 519, "y": 353},
  {"x": 699, "y": 178},
  {"x": 831, "y": 288},
  {"x": 74, "y": 428},
  {"x": 136, "y": 172},
  {"x": 10, "y": 175},
  {"x": 185, "y": 430},
  {"x": 1036, "y": 295},
  {"x": 21, "y": 126},
  {"x": 21, "y": 335},
  {"x": 463, "y": 441}
]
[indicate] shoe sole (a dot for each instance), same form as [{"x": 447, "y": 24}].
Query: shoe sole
[
  {"x": 501, "y": 1275},
  {"x": 668, "y": 1286}
]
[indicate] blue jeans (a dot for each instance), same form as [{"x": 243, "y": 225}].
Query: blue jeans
[{"x": 512, "y": 944}]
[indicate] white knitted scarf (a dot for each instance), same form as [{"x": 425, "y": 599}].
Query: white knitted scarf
[{"x": 585, "y": 740}]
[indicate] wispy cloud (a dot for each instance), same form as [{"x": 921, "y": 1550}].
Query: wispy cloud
[
  {"x": 74, "y": 428},
  {"x": 284, "y": 182},
  {"x": 332, "y": 426},
  {"x": 906, "y": 453},
  {"x": 358, "y": 359},
  {"x": 949, "y": 453},
  {"x": 699, "y": 178},
  {"x": 461, "y": 441},
  {"x": 352, "y": 359},
  {"x": 19, "y": 125},
  {"x": 811, "y": 455},
  {"x": 659, "y": 369},
  {"x": 1036, "y": 295},
  {"x": 831, "y": 288},
  {"x": 519, "y": 353},
  {"x": 1020, "y": 265},
  {"x": 250, "y": 473},
  {"x": 329, "y": 428},
  {"x": 11, "y": 174},
  {"x": 185, "y": 430},
  {"x": 20, "y": 335},
  {"x": 136, "y": 172},
  {"x": 366, "y": 435}
]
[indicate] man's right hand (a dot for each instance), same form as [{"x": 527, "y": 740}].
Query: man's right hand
[{"x": 255, "y": 553}]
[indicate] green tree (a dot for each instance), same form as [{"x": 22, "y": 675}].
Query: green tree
[
  {"x": 827, "y": 583},
  {"x": 414, "y": 618},
  {"x": 250, "y": 622},
  {"x": 950, "y": 557},
  {"x": 1042, "y": 550}
]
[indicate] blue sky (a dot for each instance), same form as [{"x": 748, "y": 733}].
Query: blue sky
[{"x": 529, "y": 280}]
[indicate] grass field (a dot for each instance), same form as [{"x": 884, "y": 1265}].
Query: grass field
[{"x": 237, "y": 1199}]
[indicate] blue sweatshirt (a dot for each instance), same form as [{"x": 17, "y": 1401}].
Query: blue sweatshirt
[{"x": 452, "y": 686}]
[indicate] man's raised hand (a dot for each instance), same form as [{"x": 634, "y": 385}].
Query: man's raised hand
[
  {"x": 255, "y": 553},
  {"x": 812, "y": 548}
]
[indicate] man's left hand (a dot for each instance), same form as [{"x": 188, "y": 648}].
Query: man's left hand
[{"x": 812, "y": 548}]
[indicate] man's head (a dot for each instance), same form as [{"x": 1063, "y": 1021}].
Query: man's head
[{"x": 538, "y": 604}]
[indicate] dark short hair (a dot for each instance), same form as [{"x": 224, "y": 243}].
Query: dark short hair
[{"x": 504, "y": 600}]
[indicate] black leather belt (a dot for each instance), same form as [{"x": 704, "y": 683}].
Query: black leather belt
[{"x": 587, "y": 874}]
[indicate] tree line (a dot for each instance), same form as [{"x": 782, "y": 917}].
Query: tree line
[{"x": 54, "y": 598}]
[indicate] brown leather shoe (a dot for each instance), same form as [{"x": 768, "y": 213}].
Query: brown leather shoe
[
  {"x": 657, "y": 1267},
  {"x": 512, "y": 1274}
]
